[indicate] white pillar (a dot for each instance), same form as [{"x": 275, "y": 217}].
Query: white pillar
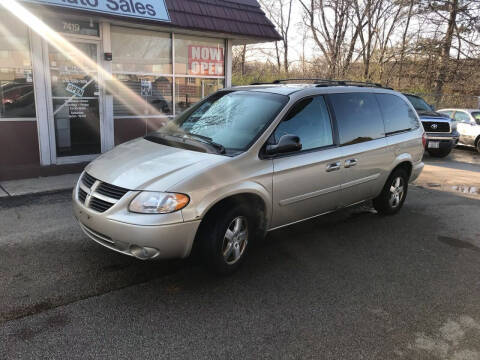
[
  {"x": 108, "y": 138},
  {"x": 41, "y": 98},
  {"x": 228, "y": 64}
]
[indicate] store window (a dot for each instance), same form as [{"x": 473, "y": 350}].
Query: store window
[
  {"x": 145, "y": 80},
  {"x": 16, "y": 79},
  {"x": 189, "y": 91},
  {"x": 199, "y": 56},
  {"x": 142, "y": 95},
  {"x": 142, "y": 65}
]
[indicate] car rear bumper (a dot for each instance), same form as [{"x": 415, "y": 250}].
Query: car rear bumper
[{"x": 140, "y": 241}]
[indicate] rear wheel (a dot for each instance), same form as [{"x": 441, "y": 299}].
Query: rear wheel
[
  {"x": 439, "y": 153},
  {"x": 394, "y": 193},
  {"x": 477, "y": 146},
  {"x": 226, "y": 238}
]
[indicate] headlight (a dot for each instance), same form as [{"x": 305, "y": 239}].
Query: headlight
[{"x": 158, "y": 203}]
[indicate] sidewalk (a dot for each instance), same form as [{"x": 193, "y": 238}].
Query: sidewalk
[{"x": 37, "y": 185}]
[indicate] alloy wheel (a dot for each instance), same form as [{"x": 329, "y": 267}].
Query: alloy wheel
[
  {"x": 235, "y": 240},
  {"x": 397, "y": 191}
]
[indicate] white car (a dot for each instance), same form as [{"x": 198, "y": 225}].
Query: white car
[{"x": 468, "y": 125}]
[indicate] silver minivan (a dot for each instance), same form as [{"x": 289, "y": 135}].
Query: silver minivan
[{"x": 249, "y": 160}]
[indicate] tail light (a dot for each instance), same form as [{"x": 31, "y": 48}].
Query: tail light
[{"x": 424, "y": 140}]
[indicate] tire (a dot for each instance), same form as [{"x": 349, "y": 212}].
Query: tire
[
  {"x": 477, "y": 145},
  {"x": 394, "y": 193},
  {"x": 439, "y": 153},
  {"x": 226, "y": 238}
]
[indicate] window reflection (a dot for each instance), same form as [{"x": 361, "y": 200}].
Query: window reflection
[
  {"x": 16, "y": 79},
  {"x": 189, "y": 91},
  {"x": 141, "y": 51},
  {"x": 154, "y": 96}
]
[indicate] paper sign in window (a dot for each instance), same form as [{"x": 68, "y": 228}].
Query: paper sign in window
[{"x": 206, "y": 60}]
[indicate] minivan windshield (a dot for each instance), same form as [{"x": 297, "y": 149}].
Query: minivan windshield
[{"x": 229, "y": 120}]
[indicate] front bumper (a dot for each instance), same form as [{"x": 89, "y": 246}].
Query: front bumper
[
  {"x": 141, "y": 241},
  {"x": 447, "y": 141}
]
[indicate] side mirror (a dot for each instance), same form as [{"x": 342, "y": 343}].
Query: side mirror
[
  {"x": 432, "y": 106},
  {"x": 287, "y": 143}
]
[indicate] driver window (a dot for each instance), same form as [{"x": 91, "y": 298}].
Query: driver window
[
  {"x": 462, "y": 117},
  {"x": 476, "y": 116},
  {"x": 309, "y": 119}
]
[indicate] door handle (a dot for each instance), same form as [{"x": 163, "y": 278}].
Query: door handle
[
  {"x": 333, "y": 167},
  {"x": 350, "y": 163}
]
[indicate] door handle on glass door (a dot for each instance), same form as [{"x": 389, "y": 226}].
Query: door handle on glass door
[
  {"x": 350, "y": 163},
  {"x": 333, "y": 167}
]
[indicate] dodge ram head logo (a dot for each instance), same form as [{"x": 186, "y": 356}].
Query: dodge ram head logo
[{"x": 434, "y": 126}]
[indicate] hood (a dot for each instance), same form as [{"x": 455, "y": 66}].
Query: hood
[
  {"x": 144, "y": 165},
  {"x": 425, "y": 115}
]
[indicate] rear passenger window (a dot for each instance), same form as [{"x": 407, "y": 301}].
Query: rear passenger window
[
  {"x": 309, "y": 119},
  {"x": 358, "y": 117},
  {"x": 397, "y": 114}
]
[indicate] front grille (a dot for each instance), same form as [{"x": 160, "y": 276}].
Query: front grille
[
  {"x": 434, "y": 126},
  {"x": 98, "y": 190},
  {"x": 82, "y": 195},
  {"x": 88, "y": 180},
  {"x": 99, "y": 205},
  {"x": 111, "y": 191}
]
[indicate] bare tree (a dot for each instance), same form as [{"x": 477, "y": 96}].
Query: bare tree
[
  {"x": 329, "y": 21},
  {"x": 239, "y": 59},
  {"x": 280, "y": 13},
  {"x": 453, "y": 19},
  {"x": 406, "y": 29}
]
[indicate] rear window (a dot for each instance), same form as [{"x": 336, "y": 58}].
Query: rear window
[
  {"x": 358, "y": 117},
  {"x": 397, "y": 114}
]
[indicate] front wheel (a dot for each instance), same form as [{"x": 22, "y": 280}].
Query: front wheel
[
  {"x": 226, "y": 238},
  {"x": 394, "y": 193},
  {"x": 439, "y": 153}
]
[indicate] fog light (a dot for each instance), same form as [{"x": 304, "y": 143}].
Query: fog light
[{"x": 144, "y": 253}]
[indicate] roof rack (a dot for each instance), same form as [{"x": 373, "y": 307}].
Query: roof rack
[{"x": 327, "y": 82}]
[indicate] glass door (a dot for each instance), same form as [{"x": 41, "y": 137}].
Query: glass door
[{"x": 75, "y": 97}]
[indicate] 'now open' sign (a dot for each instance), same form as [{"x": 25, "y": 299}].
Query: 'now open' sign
[{"x": 206, "y": 60}]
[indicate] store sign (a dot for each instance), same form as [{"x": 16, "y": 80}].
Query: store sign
[
  {"x": 205, "y": 60},
  {"x": 144, "y": 9},
  {"x": 146, "y": 88},
  {"x": 75, "y": 90}
]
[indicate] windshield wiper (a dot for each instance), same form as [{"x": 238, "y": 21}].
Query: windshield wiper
[
  {"x": 208, "y": 140},
  {"x": 200, "y": 138}
]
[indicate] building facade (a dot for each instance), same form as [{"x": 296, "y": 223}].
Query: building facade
[{"x": 78, "y": 77}]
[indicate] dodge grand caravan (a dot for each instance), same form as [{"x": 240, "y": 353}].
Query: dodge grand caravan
[{"x": 249, "y": 160}]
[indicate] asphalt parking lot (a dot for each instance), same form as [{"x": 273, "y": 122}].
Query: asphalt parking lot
[{"x": 350, "y": 285}]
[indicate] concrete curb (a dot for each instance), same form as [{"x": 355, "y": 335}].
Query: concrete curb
[{"x": 37, "y": 186}]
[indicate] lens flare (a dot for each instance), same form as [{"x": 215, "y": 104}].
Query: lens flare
[{"x": 104, "y": 78}]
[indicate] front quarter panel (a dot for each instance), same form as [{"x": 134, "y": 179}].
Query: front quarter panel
[{"x": 242, "y": 175}]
